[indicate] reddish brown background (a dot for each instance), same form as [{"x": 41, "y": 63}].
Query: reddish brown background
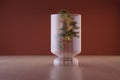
[{"x": 25, "y": 25}]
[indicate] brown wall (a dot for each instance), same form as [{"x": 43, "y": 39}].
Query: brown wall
[{"x": 25, "y": 25}]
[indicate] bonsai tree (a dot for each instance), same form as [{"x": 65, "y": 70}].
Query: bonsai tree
[{"x": 68, "y": 26}]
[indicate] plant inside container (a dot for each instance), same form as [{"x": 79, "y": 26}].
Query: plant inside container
[
  {"x": 65, "y": 34},
  {"x": 68, "y": 28}
]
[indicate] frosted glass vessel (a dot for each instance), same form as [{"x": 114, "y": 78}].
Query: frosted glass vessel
[{"x": 59, "y": 46}]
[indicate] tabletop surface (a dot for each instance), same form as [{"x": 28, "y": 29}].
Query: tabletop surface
[{"x": 51, "y": 68}]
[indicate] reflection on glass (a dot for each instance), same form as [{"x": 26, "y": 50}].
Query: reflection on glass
[{"x": 65, "y": 70}]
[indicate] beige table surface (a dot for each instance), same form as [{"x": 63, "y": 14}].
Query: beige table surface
[{"x": 48, "y": 68}]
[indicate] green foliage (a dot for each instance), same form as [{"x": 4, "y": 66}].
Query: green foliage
[
  {"x": 69, "y": 27},
  {"x": 63, "y": 11}
]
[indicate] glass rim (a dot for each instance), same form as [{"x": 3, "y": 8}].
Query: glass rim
[{"x": 71, "y": 14}]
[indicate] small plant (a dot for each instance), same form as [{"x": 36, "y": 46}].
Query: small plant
[{"x": 68, "y": 27}]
